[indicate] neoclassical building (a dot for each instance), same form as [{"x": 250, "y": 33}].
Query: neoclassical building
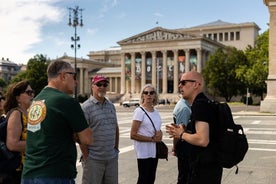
[{"x": 159, "y": 56}]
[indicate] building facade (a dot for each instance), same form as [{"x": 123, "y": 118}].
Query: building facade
[
  {"x": 8, "y": 70},
  {"x": 159, "y": 56}
]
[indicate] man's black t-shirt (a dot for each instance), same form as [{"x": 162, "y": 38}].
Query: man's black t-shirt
[{"x": 203, "y": 111}]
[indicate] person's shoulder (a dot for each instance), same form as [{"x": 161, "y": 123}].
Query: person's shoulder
[
  {"x": 138, "y": 110},
  {"x": 88, "y": 102}
]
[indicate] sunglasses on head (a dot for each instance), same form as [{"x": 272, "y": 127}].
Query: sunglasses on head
[
  {"x": 30, "y": 92},
  {"x": 183, "y": 82},
  {"x": 100, "y": 85},
  {"x": 148, "y": 92},
  {"x": 74, "y": 75}
]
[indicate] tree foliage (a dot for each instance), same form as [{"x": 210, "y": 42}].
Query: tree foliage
[
  {"x": 256, "y": 73},
  {"x": 220, "y": 75},
  {"x": 36, "y": 73},
  {"x": 229, "y": 72}
]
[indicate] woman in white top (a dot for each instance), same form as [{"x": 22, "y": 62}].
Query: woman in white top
[{"x": 145, "y": 136}]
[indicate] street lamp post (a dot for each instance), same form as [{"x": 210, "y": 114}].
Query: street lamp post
[{"x": 75, "y": 20}]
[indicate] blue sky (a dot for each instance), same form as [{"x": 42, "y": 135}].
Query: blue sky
[{"x": 30, "y": 27}]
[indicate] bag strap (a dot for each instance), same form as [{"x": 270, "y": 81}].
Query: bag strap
[{"x": 148, "y": 117}]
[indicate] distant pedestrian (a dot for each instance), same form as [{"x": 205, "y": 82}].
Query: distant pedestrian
[
  {"x": 100, "y": 160},
  {"x": 56, "y": 123},
  {"x": 144, "y": 135}
]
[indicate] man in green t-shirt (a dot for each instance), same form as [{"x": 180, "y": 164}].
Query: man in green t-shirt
[{"x": 55, "y": 122}]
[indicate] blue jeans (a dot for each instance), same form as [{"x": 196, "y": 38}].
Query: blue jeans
[{"x": 48, "y": 181}]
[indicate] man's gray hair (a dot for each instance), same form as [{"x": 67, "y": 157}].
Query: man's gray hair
[{"x": 57, "y": 66}]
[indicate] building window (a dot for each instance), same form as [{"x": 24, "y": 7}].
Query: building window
[
  {"x": 215, "y": 36},
  {"x": 220, "y": 37},
  {"x": 237, "y": 35},
  {"x": 232, "y": 36},
  {"x": 226, "y": 36}
]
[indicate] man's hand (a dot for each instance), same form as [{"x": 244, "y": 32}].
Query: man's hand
[{"x": 174, "y": 130}]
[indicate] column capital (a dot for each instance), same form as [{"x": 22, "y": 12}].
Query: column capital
[{"x": 164, "y": 51}]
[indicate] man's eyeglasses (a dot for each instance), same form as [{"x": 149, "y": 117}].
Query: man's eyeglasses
[
  {"x": 30, "y": 92},
  {"x": 183, "y": 82},
  {"x": 100, "y": 85},
  {"x": 148, "y": 92},
  {"x": 74, "y": 75}
]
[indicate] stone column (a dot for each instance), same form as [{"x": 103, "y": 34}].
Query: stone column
[
  {"x": 269, "y": 103},
  {"x": 187, "y": 60},
  {"x": 81, "y": 81},
  {"x": 87, "y": 82},
  {"x": 123, "y": 74},
  {"x": 110, "y": 84},
  {"x": 175, "y": 72},
  {"x": 153, "y": 54},
  {"x": 199, "y": 60},
  {"x": 132, "y": 84},
  {"x": 143, "y": 68},
  {"x": 165, "y": 73},
  {"x": 116, "y": 85}
]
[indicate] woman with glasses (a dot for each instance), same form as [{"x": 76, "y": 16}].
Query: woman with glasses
[
  {"x": 146, "y": 119},
  {"x": 18, "y": 99}
]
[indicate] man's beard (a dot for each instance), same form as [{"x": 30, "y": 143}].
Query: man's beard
[{"x": 101, "y": 94}]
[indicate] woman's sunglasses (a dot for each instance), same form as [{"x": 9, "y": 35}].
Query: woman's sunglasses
[
  {"x": 148, "y": 92},
  {"x": 30, "y": 92}
]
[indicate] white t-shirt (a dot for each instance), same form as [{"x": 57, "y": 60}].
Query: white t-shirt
[{"x": 146, "y": 149}]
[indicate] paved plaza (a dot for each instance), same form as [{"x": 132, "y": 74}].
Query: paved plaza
[{"x": 258, "y": 167}]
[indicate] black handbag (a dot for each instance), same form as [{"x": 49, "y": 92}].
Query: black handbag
[{"x": 161, "y": 148}]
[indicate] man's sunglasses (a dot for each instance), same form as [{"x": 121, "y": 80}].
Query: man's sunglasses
[
  {"x": 74, "y": 75},
  {"x": 183, "y": 82},
  {"x": 100, "y": 85},
  {"x": 148, "y": 92},
  {"x": 30, "y": 92}
]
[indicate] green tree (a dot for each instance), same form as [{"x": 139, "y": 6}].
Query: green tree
[
  {"x": 220, "y": 75},
  {"x": 36, "y": 73},
  {"x": 255, "y": 75}
]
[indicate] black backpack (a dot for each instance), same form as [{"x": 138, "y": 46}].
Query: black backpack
[
  {"x": 231, "y": 145},
  {"x": 9, "y": 160}
]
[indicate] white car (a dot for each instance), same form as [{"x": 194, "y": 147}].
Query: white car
[{"x": 131, "y": 102}]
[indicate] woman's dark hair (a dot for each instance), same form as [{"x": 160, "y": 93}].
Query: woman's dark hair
[{"x": 13, "y": 91}]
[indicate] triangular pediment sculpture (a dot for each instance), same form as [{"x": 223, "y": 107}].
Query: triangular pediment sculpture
[{"x": 156, "y": 34}]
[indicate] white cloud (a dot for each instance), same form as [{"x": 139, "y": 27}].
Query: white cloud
[{"x": 21, "y": 23}]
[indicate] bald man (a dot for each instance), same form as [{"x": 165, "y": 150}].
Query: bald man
[{"x": 200, "y": 133}]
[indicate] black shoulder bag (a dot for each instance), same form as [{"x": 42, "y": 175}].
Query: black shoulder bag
[
  {"x": 161, "y": 147},
  {"x": 9, "y": 160}
]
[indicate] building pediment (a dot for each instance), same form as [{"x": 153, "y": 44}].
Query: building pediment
[{"x": 156, "y": 34}]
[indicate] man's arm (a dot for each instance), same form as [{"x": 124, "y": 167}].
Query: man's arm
[
  {"x": 85, "y": 137},
  {"x": 201, "y": 137}
]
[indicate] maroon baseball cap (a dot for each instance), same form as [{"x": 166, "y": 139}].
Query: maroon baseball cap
[{"x": 99, "y": 78}]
